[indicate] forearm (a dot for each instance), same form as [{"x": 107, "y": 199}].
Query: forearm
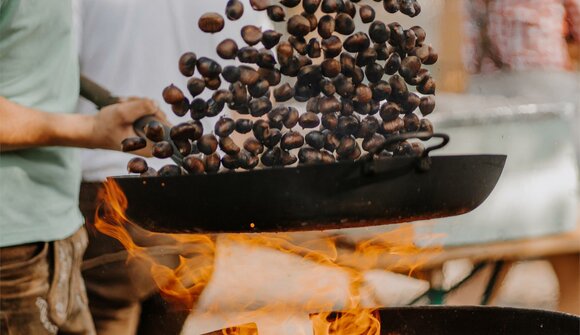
[
  {"x": 572, "y": 8},
  {"x": 22, "y": 127}
]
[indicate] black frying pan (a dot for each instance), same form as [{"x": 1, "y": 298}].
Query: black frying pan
[
  {"x": 449, "y": 320},
  {"x": 347, "y": 194},
  {"x": 319, "y": 197}
]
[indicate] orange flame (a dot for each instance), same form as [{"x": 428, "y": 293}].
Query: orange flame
[{"x": 183, "y": 284}]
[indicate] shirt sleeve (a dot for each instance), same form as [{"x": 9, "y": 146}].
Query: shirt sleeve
[
  {"x": 573, "y": 18},
  {"x": 77, "y": 24}
]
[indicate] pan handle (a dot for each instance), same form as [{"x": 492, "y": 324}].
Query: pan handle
[
  {"x": 101, "y": 97},
  {"x": 372, "y": 171},
  {"x": 423, "y": 136},
  {"x": 423, "y": 163},
  {"x": 96, "y": 94}
]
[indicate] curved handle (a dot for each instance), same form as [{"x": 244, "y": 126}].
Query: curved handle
[{"x": 423, "y": 136}]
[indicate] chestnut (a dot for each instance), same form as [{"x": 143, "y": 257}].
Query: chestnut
[
  {"x": 212, "y": 163},
  {"x": 155, "y": 131},
  {"x": 298, "y": 26},
  {"x": 234, "y": 10},
  {"x": 211, "y": 23},
  {"x": 187, "y": 63},
  {"x": 162, "y": 149},
  {"x": 224, "y": 127},
  {"x": 133, "y": 144},
  {"x": 244, "y": 126},
  {"x": 367, "y": 13},
  {"x": 227, "y": 49},
  {"x": 172, "y": 95},
  {"x": 137, "y": 165},
  {"x": 252, "y": 35},
  {"x": 193, "y": 164},
  {"x": 207, "y": 144},
  {"x": 170, "y": 170}
]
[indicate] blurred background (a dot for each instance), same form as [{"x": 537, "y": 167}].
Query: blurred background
[{"x": 508, "y": 82}]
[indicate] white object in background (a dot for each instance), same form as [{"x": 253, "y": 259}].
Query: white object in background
[
  {"x": 530, "y": 284},
  {"x": 278, "y": 291},
  {"x": 388, "y": 289},
  {"x": 132, "y": 48},
  {"x": 537, "y": 193}
]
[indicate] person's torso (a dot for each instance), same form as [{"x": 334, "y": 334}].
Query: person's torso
[{"x": 38, "y": 69}]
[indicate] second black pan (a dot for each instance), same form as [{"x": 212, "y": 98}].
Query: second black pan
[{"x": 474, "y": 320}]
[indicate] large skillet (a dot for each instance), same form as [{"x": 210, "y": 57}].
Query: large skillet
[
  {"x": 461, "y": 320},
  {"x": 318, "y": 197}
]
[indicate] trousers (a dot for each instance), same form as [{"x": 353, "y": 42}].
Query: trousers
[
  {"x": 42, "y": 290},
  {"x": 123, "y": 297}
]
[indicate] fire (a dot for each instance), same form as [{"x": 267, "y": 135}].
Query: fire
[{"x": 184, "y": 284}]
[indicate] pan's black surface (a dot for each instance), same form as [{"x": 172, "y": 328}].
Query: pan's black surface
[
  {"x": 475, "y": 321},
  {"x": 320, "y": 197}
]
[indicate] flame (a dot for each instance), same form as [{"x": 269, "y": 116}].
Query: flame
[{"x": 183, "y": 284}]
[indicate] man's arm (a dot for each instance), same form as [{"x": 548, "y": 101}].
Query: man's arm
[
  {"x": 573, "y": 18},
  {"x": 22, "y": 127}
]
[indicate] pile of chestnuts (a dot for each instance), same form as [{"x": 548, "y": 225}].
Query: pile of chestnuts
[{"x": 354, "y": 80}]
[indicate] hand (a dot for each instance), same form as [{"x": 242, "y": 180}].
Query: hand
[{"x": 114, "y": 123}]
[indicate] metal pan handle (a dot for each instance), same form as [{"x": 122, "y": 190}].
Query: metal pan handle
[
  {"x": 424, "y": 162},
  {"x": 96, "y": 94},
  {"x": 373, "y": 171},
  {"x": 101, "y": 98},
  {"x": 423, "y": 136}
]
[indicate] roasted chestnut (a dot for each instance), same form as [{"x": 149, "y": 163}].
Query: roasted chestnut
[
  {"x": 326, "y": 26},
  {"x": 172, "y": 95},
  {"x": 137, "y": 165},
  {"x": 170, "y": 170},
  {"x": 227, "y": 49},
  {"x": 254, "y": 146},
  {"x": 155, "y": 131},
  {"x": 187, "y": 63},
  {"x": 270, "y": 38},
  {"x": 367, "y": 13},
  {"x": 344, "y": 24},
  {"x": 162, "y": 149},
  {"x": 211, "y": 23},
  {"x": 193, "y": 164},
  {"x": 315, "y": 139},
  {"x": 207, "y": 144},
  {"x": 224, "y": 127},
  {"x": 133, "y": 144},
  {"x": 272, "y": 157},
  {"x": 298, "y": 26},
  {"x": 251, "y": 34},
  {"x": 309, "y": 120},
  {"x": 208, "y": 67},
  {"x": 234, "y": 10},
  {"x": 191, "y": 130},
  {"x": 276, "y": 13}
]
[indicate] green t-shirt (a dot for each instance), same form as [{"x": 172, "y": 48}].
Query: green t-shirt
[{"x": 38, "y": 68}]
